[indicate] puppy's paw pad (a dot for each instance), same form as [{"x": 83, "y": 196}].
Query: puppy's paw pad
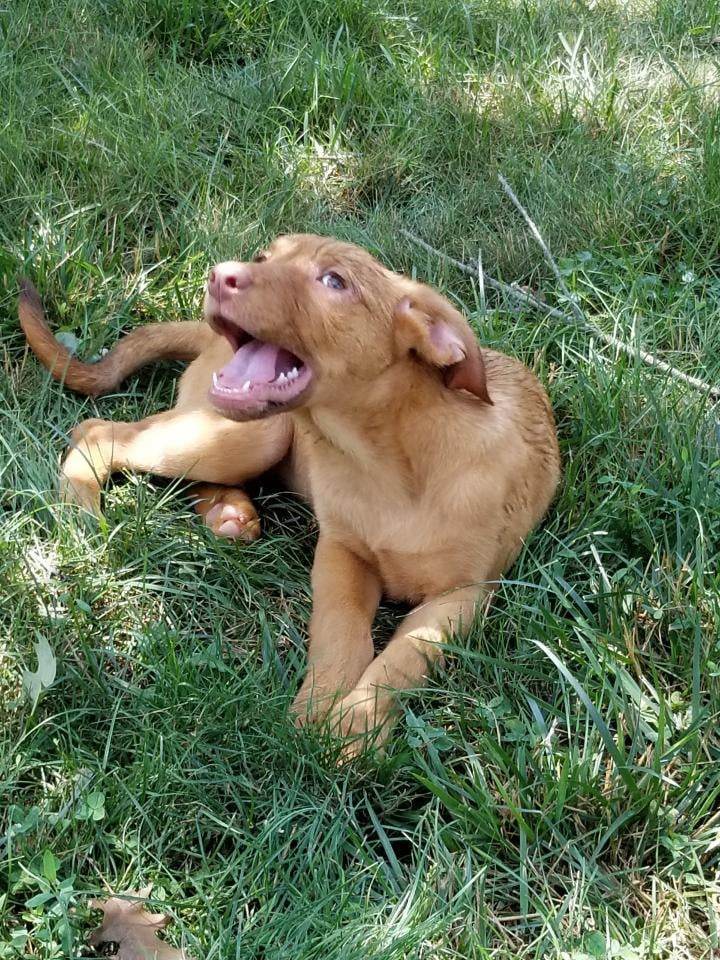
[
  {"x": 234, "y": 522},
  {"x": 236, "y": 530}
]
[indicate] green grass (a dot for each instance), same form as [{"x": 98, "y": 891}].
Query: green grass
[{"x": 556, "y": 792}]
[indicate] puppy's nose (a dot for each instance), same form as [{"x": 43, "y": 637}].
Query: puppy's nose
[{"x": 227, "y": 278}]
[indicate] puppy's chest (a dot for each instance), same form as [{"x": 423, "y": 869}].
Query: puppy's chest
[
  {"x": 382, "y": 523},
  {"x": 376, "y": 509},
  {"x": 408, "y": 538}
]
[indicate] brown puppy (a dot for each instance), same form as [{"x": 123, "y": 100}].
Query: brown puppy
[{"x": 426, "y": 460}]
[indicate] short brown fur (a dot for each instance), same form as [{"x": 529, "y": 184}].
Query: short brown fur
[{"x": 427, "y": 460}]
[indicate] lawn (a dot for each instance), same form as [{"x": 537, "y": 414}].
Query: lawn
[{"x": 556, "y": 791}]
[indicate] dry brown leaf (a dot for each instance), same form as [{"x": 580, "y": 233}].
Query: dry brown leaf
[{"x": 126, "y": 923}]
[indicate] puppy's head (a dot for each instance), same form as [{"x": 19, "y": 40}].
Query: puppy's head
[{"x": 311, "y": 319}]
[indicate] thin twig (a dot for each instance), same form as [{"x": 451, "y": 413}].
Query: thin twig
[
  {"x": 514, "y": 292},
  {"x": 529, "y": 300},
  {"x": 634, "y": 352},
  {"x": 579, "y": 315}
]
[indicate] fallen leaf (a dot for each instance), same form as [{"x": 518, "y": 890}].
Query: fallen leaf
[
  {"x": 35, "y": 682},
  {"x": 133, "y": 929}
]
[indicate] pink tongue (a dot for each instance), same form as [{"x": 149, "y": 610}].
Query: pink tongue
[{"x": 256, "y": 361}]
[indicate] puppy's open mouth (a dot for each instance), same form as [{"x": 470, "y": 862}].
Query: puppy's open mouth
[{"x": 261, "y": 378}]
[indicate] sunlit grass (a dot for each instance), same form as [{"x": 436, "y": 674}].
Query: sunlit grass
[{"x": 555, "y": 793}]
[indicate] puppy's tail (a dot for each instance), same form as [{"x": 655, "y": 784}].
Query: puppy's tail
[{"x": 158, "y": 341}]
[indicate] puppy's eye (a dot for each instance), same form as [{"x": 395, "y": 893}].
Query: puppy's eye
[
  {"x": 332, "y": 280},
  {"x": 260, "y": 258}
]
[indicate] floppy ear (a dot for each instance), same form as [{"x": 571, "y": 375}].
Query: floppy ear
[{"x": 442, "y": 337}]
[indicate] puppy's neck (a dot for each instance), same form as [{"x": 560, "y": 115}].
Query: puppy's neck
[{"x": 371, "y": 424}]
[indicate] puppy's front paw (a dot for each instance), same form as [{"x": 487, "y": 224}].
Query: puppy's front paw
[
  {"x": 312, "y": 704},
  {"x": 363, "y": 719},
  {"x": 83, "y": 430},
  {"x": 84, "y": 469},
  {"x": 83, "y": 492}
]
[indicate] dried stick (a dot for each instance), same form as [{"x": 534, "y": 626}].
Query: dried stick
[
  {"x": 528, "y": 299},
  {"x": 579, "y": 315},
  {"x": 514, "y": 292}
]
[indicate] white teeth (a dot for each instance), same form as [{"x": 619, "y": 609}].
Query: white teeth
[
  {"x": 293, "y": 374},
  {"x": 281, "y": 379},
  {"x": 223, "y": 389}
]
